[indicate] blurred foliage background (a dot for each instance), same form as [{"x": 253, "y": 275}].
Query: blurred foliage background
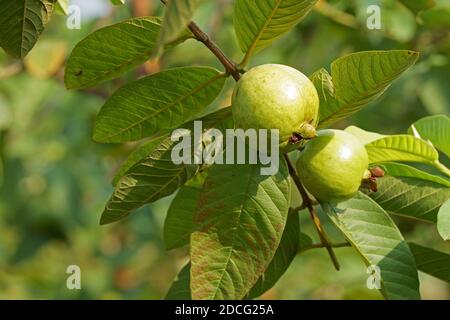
[{"x": 54, "y": 181}]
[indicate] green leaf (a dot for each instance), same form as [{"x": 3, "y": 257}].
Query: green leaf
[
  {"x": 431, "y": 261},
  {"x": 118, "y": 2},
  {"x": 180, "y": 289},
  {"x": 418, "y": 5},
  {"x": 178, "y": 14},
  {"x": 286, "y": 252},
  {"x": 403, "y": 170},
  {"x": 401, "y": 148},
  {"x": 220, "y": 119},
  {"x": 358, "y": 79},
  {"x": 436, "y": 129},
  {"x": 283, "y": 258},
  {"x": 151, "y": 179},
  {"x": 241, "y": 217},
  {"x": 179, "y": 222},
  {"x": 161, "y": 101},
  {"x": 22, "y": 22},
  {"x": 377, "y": 239},
  {"x": 62, "y": 7},
  {"x": 260, "y": 22},
  {"x": 405, "y": 148},
  {"x": 443, "y": 220},
  {"x": 365, "y": 137},
  {"x": 410, "y": 197},
  {"x": 137, "y": 155},
  {"x": 155, "y": 176},
  {"x": 304, "y": 241},
  {"x": 131, "y": 41},
  {"x": 326, "y": 89}
]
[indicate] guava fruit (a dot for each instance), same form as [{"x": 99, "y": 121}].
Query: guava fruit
[
  {"x": 274, "y": 96},
  {"x": 333, "y": 165}
]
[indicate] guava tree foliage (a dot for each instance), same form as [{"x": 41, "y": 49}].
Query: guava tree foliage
[{"x": 241, "y": 227}]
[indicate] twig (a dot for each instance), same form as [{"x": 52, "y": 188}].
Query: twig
[
  {"x": 201, "y": 36},
  {"x": 315, "y": 218},
  {"x": 320, "y": 245}
]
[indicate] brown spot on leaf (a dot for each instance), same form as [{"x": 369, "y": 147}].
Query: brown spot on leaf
[
  {"x": 202, "y": 201},
  {"x": 279, "y": 227},
  {"x": 204, "y": 214}
]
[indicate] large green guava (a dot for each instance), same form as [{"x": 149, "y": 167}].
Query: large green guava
[
  {"x": 333, "y": 165},
  {"x": 274, "y": 96}
]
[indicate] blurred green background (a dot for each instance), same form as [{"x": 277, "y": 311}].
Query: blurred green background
[{"x": 54, "y": 181}]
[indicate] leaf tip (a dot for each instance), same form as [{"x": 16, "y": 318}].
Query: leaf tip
[
  {"x": 104, "y": 220},
  {"x": 98, "y": 136},
  {"x": 415, "y": 55}
]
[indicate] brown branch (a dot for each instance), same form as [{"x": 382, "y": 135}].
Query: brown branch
[
  {"x": 201, "y": 36},
  {"x": 230, "y": 67},
  {"x": 308, "y": 203}
]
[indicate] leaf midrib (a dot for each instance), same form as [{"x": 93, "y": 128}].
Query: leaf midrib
[
  {"x": 347, "y": 235},
  {"x": 330, "y": 117},
  {"x": 386, "y": 148},
  {"x": 146, "y": 200},
  {"x": 356, "y": 246},
  {"x": 262, "y": 30},
  {"x": 241, "y": 209},
  {"x": 102, "y": 75},
  {"x": 168, "y": 106},
  {"x": 22, "y": 36}
]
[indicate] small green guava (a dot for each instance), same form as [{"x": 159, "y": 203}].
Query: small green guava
[
  {"x": 274, "y": 96},
  {"x": 333, "y": 165}
]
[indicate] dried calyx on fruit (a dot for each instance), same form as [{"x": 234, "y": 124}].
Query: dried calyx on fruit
[{"x": 370, "y": 178}]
